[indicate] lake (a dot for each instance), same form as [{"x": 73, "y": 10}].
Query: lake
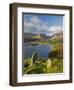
[{"x": 42, "y": 50}]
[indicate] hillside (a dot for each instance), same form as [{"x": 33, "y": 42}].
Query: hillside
[
  {"x": 29, "y": 37},
  {"x": 35, "y": 37},
  {"x": 57, "y": 36}
]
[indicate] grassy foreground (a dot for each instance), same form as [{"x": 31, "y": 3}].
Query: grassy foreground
[
  {"x": 52, "y": 64},
  {"x": 43, "y": 66}
]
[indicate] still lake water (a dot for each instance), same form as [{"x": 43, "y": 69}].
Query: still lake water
[{"x": 42, "y": 50}]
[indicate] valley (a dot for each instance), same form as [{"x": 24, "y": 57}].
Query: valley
[{"x": 37, "y": 64}]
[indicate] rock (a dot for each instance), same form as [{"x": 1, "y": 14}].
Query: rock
[{"x": 49, "y": 63}]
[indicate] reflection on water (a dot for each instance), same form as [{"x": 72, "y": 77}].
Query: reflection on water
[{"x": 42, "y": 50}]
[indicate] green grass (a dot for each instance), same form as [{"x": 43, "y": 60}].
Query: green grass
[
  {"x": 40, "y": 43},
  {"x": 41, "y": 65}
]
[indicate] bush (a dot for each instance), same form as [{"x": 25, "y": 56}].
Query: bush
[{"x": 56, "y": 53}]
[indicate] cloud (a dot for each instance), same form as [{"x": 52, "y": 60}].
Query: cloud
[
  {"x": 37, "y": 26},
  {"x": 35, "y": 20},
  {"x": 55, "y": 29}
]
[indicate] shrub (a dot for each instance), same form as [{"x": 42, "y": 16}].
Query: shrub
[{"x": 56, "y": 53}]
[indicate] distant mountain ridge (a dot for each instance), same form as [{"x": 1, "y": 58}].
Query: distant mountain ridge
[
  {"x": 33, "y": 37},
  {"x": 57, "y": 35}
]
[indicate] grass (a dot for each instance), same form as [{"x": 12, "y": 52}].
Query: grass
[
  {"x": 52, "y": 64},
  {"x": 40, "y": 66}
]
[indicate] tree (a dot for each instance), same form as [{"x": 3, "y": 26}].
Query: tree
[{"x": 35, "y": 57}]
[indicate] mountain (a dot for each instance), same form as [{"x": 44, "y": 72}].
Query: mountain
[
  {"x": 57, "y": 36},
  {"x": 41, "y": 36},
  {"x": 44, "y": 36},
  {"x": 31, "y": 37}
]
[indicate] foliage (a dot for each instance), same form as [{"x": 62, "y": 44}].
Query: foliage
[
  {"x": 41, "y": 66},
  {"x": 52, "y": 64}
]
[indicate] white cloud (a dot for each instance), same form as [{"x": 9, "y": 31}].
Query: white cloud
[
  {"x": 35, "y": 20},
  {"x": 55, "y": 29},
  {"x": 35, "y": 25}
]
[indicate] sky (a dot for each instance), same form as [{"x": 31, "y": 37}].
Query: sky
[{"x": 46, "y": 24}]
